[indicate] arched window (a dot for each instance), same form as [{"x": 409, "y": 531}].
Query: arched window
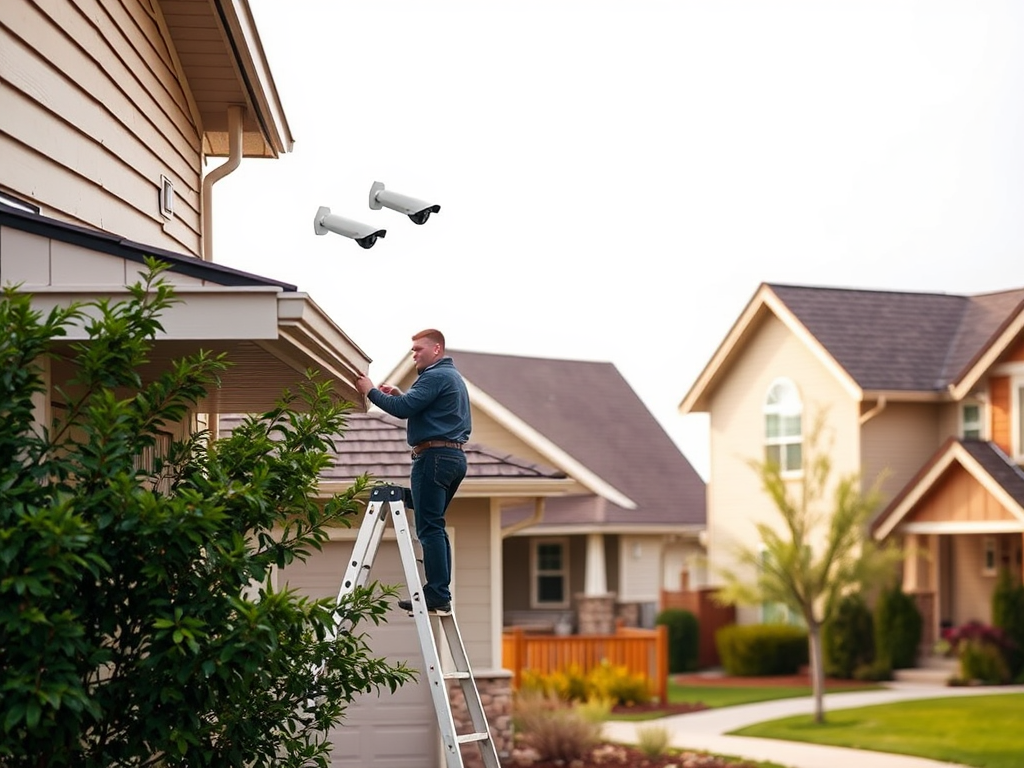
[{"x": 783, "y": 429}]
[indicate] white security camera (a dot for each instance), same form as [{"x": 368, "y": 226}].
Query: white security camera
[
  {"x": 417, "y": 210},
  {"x": 363, "y": 234}
]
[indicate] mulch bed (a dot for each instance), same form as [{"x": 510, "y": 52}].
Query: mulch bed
[{"x": 620, "y": 756}]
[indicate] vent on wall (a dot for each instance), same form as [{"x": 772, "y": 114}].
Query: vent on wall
[{"x": 166, "y": 197}]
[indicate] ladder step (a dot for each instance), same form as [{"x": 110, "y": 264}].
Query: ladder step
[
  {"x": 456, "y": 675},
  {"x": 469, "y": 738}
]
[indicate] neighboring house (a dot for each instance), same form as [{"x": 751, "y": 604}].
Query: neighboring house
[
  {"x": 582, "y": 559},
  {"x": 926, "y": 388}
]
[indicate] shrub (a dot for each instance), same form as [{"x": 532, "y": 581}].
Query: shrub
[
  {"x": 762, "y": 649},
  {"x": 898, "y": 628},
  {"x": 652, "y": 740},
  {"x": 982, "y": 652},
  {"x": 683, "y": 639},
  {"x": 847, "y": 638},
  {"x": 1008, "y": 615},
  {"x": 604, "y": 682},
  {"x": 138, "y": 620},
  {"x": 553, "y": 728}
]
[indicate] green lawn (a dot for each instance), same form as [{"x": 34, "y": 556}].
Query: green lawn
[
  {"x": 715, "y": 696},
  {"x": 982, "y": 731}
]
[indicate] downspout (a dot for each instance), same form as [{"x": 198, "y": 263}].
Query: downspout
[
  {"x": 538, "y": 516},
  {"x": 875, "y": 410},
  {"x": 234, "y": 160}
]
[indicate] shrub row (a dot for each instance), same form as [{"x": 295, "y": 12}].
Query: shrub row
[{"x": 762, "y": 649}]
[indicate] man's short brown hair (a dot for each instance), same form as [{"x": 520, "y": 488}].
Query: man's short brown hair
[{"x": 431, "y": 334}]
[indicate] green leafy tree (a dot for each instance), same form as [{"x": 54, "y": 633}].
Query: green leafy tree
[
  {"x": 138, "y": 621},
  {"x": 821, "y": 551}
]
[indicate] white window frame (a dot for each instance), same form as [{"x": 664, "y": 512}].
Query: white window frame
[
  {"x": 1016, "y": 416},
  {"x": 784, "y": 409},
  {"x": 989, "y": 556},
  {"x": 536, "y": 573},
  {"x": 975, "y": 426}
]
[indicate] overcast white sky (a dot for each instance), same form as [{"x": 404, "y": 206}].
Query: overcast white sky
[{"x": 617, "y": 178}]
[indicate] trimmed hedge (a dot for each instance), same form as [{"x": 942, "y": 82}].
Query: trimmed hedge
[
  {"x": 683, "y": 639},
  {"x": 898, "y": 628},
  {"x": 847, "y": 638},
  {"x": 753, "y": 650}
]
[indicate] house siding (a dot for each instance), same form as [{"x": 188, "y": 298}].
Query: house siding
[
  {"x": 896, "y": 442},
  {"x": 487, "y": 431},
  {"x": 959, "y": 498},
  {"x": 640, "y": 569},
  {"x": 999, "y": 413},
  {"x": 736, "y": 500},
  {"x": 971, "y": 591},
  {"x": 470, "y": 519},
  {"x": 94, "y": 116}
]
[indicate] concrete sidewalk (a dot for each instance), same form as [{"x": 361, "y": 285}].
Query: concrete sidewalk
[{"x": 705, "y": 731}]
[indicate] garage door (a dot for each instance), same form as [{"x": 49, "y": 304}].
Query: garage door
[{"x": 389, "y": 730}]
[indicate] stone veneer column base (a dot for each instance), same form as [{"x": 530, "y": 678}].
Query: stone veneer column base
[
  {"x": 495, "y": 689},
  {"x": 595, "y": 614}
]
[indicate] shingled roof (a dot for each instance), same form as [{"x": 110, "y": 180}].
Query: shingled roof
[
  {"x": 374, "y": 443},
  {"x": 589, "y": 411},
  {"x": 892, "y": 340},
  {"x": 983, "y": 459},
  {"x": 881, "y": 342}
]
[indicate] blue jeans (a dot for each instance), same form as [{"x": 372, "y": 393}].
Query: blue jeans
[{"x": 435, "y": 477}]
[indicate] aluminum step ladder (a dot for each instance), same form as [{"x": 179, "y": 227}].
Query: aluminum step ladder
[{"x": 389, "y": 502}]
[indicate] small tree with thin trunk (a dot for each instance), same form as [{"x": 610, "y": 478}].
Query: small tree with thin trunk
[{"x": 822, "y": 550}]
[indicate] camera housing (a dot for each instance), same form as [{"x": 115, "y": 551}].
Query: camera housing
[
  {"x": 418, "y": 211},
  {"x": 364, "y": 235}
]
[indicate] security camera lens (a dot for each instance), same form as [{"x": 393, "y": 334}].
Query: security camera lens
[
  {"x": 369, "y": 240},
  {"x": 420, "y": 217}
]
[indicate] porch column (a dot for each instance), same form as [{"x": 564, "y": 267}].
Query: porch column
[
  {"x": 596, "y": 605},
  {"x": 596, "y": 582}
]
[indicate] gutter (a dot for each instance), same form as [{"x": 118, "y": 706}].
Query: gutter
[
  {"x": 537, "y": 517},
  {"x": 218, "y": 173},
  {"x": 874, "y": 411}
]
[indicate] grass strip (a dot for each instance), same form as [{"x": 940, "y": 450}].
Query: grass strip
[{"x": 982, "y": 731}]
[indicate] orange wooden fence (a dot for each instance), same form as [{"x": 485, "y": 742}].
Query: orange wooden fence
[{"x": 640, "y": 651}]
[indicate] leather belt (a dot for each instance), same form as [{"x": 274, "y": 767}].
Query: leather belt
[{"x": 421, "y": 447}]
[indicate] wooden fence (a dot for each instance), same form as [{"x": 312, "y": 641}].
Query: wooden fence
[{"x": 640, "y": 651}]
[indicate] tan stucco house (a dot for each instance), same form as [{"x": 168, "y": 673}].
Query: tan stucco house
[{"x": 926, "y": 388}]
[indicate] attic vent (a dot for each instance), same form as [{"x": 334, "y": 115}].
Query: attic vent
[{"x": 166, "y": 198}]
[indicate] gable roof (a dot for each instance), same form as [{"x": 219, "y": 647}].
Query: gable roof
[
  {"x": 375, "y": 444},
  {"x": 984, "y": 461},
  {"x": 885, "y": 342},
  {"x": 586, "y": 413}
]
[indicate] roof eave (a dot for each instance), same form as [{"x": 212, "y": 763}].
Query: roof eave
[
  {"x": 255, "y": 71},
  {"x": 764, "y": 302}
]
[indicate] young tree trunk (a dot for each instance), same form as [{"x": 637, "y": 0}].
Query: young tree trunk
[{"x": 817, "y": 670}]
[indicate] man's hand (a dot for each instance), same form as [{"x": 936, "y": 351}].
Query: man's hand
[
  {"x": 388, "y": 389},
  {"x": 363, "y": 383}
]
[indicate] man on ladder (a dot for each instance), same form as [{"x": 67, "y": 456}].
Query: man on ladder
[{"x": 438, "y": 424}]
